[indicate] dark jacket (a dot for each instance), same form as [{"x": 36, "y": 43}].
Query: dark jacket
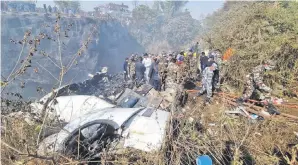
[
  {"x": 154, "y": 76},
  {"x": 204, "y": 62},
  {"x": 125, "y": 66},
  {"x": 153, "y": 73},
  {"x": 140, "y": 70}
]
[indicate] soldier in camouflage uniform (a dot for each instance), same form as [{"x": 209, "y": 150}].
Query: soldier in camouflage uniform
[
  {"x": 254, "y": 81},
  {"x": 193, "y": 67},
  {"x": 132, "y": 68},
  {"x": 182, "y": 73},
  {"x": 172, "y": 74},
  {"x": 207, "y": 79},
  {"x": 174, "y": 83},
  {"x": 187, "y": 61},
  {"x": 217, "y": 72},
  {"x": 162, "y": 66}
]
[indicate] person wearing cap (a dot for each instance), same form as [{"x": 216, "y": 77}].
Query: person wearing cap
[
  {"x": 125, "y": 69},
  {"x": 207, "y": 76},
  {"x": 147, "y": 63},
  {"x": 254, "y": 81}
]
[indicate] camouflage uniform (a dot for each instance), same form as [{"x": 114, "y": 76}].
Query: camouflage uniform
[
  {"x": 254, "y": 81},
  {"x": 132, "y": 69},
  {"x": 207, "y": 80},
  {"x": 162, "y": 66},
  {"x": 187, "y": 60},
  {"x": 193, "y": 67},
  {"x": 172, "y": 75},
  {"x": 217, "y": 73},
  {"x": 182, "y": 73}
]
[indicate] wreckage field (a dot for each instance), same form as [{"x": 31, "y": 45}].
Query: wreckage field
[{"x": 114, "y": 128}]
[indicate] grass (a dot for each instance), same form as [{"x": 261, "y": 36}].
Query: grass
[{"x": 227, "y": 140}]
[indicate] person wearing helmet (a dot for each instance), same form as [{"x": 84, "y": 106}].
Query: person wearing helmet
[{"x": 254, "y": 81}]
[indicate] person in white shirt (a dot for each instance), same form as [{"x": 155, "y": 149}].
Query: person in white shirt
[{"x": 147, "y": 63}]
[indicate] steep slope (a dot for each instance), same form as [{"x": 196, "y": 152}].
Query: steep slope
[{"x": 110, "y": 44}]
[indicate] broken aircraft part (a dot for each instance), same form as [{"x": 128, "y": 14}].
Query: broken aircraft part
[{"x": 116, "y": 128}]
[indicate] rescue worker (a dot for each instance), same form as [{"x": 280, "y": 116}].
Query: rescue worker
[
  {"x": 187, "y": 58},
  {"x": 207, "y": 76},
  {"x": 193, "y": 67},
  {"x": 154, "y": 75},
  {"x": 140, "y": 71},
  {"x": 172, "y": 88},
  {"x": 132, "y": 68},
  {"x": 147, "y": 63},
  {"x": 125, "y": 69},
  {"x": 216, "y": 77},
  {"x": 254, "y": 81},
  {"x": 162, "y": 67},
  {"x": 203, "y": 61},
  {"x": 50, "y": 8},
  {"x": 172, "y": 74}
]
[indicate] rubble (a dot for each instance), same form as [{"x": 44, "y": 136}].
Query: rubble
[{"x": 121, "y": 118}]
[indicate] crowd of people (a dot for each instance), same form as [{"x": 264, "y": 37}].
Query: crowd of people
[{"x": 169, "y": 71}]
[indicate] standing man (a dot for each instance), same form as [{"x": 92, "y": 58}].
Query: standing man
[
  {"x": 203, "y": 61},
  {"x": 172, "y": 74},
  {"x": 162, "y": 66},
  {"x": 208, "y": 73},
  {"x": 193, "y": 67},
  {"x": 132, "y": 68},
  {"x": 125, "y": 69},
  {"x": 217, "y": 77},
  {"x": 154, "y": 75},
  {"x": 140, "y": 71},
  {"x": 147, "y": 63},
  {"x": 50, "y": 8}
]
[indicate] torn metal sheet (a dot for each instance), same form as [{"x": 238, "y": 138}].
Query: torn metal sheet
[
  {"x": 68, "y": 108},
  {"x": 114, "y": 117},
  {"x": 138, "y": 128},
  {"x": 147, "y": 133}
]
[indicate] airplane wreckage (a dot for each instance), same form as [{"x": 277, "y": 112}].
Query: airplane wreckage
[{"x": 105, "y": 112}]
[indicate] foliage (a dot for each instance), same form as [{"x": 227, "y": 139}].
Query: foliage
[
  {"x": 256, "y": 31},
  {"x": 164, "y": 25}
]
